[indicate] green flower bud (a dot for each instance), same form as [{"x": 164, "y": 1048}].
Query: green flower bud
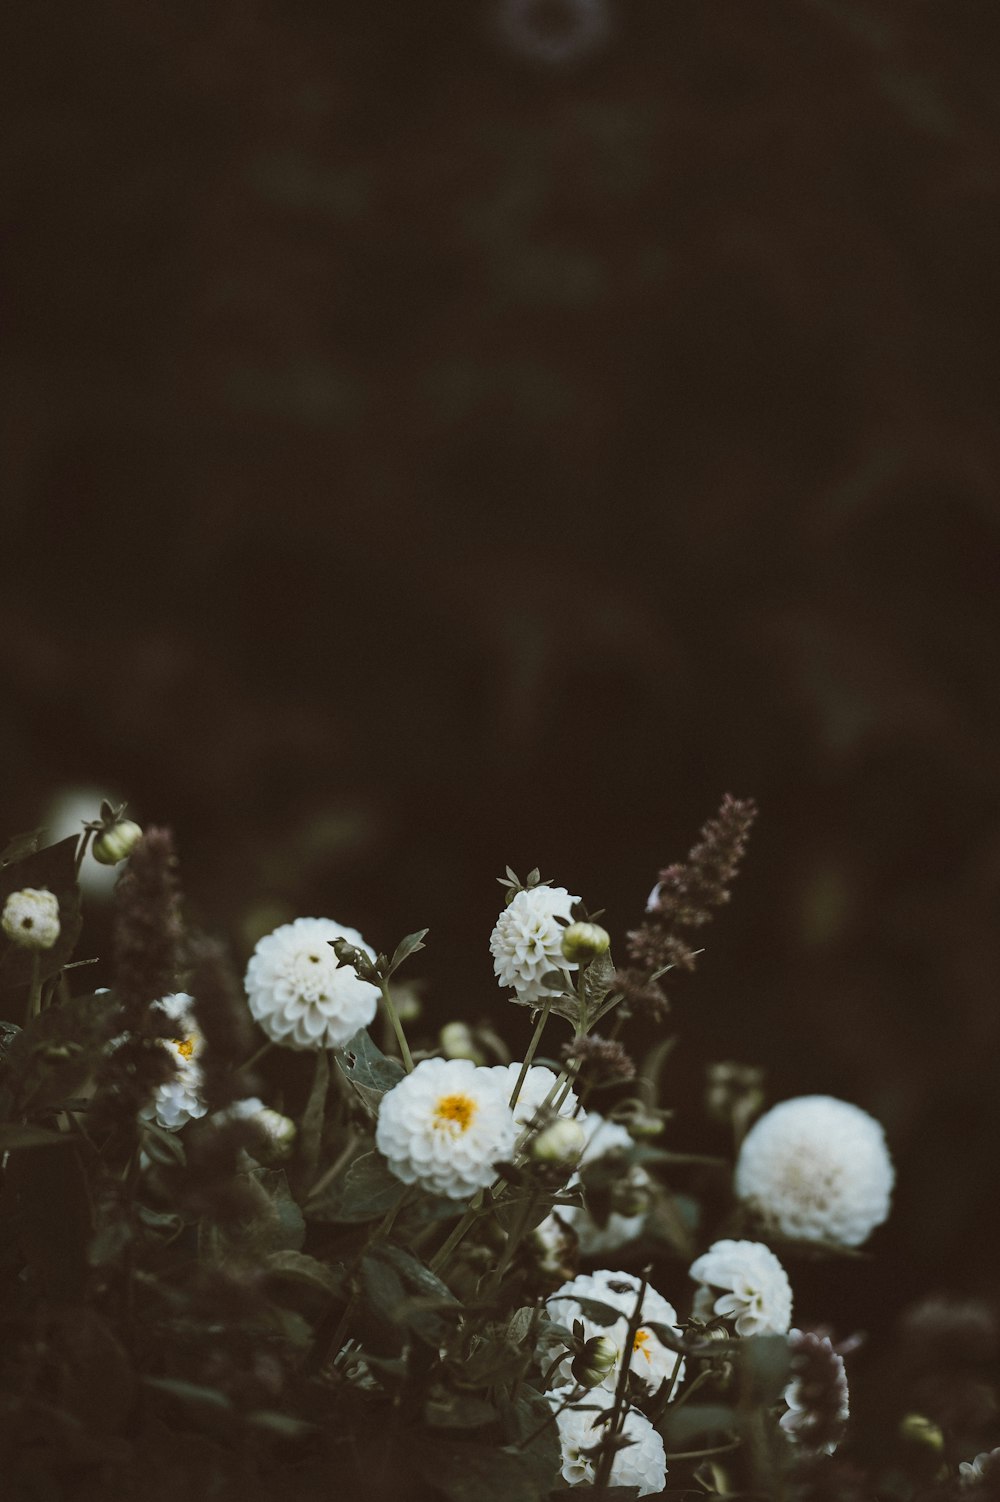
[
  {"x": 457, "y": 1042},
  {"x": 598, "y": 1357},
  {"x": 582, "y": 942},
  {"x": 116, "y": 841},
  {"x": 562, "y": 1141},
  {"x": 915, "y": 1429}
]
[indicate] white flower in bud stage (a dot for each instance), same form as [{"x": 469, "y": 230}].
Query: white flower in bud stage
[
  {"x": 298, "y": 993},
  {"x": 743, "y": 1282},
  {"x": 562, "y": 1142},
  {"x": 597, "y": 1240},
  {"x": 445, "y": 1126},
  {"x": 650, "y": 1360},
  {"x": 527, "y": 941},
  {"x": 179, "y": 1100},
  {"x": 278, "y": 1131},
  {"x": 643, "y": 1463},
  {"x": 817, "y": 1169},
  {"x": 31, "y": 918},
  {"x": 536, "y": 1088}
]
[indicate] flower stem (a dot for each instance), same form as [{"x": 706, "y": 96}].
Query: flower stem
[
  {"x": 81, "y": 849},
  {"x": 446, "y": 1248},
  {"x": 397, "y": 1026},
  {"x": 536, "y": 1038},
  {"x": 607, "y": 1455},
  {"x": 35, "y": 994},
  {"x": 254, "y": 1057}
]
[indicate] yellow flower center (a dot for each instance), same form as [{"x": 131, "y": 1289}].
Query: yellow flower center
[
  {"x": 639, "y": 1344},
  {"x": 184, "y": 1046},
  {"x": 457, "y": 1108}
]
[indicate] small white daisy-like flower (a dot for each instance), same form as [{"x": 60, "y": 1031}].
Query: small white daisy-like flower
[
  {"x": 743, "y": 1281},
  {"x": 299, "y": 994},
  {"x": 972, "y": 1472},
  {"x": 642, "y": 1463},
  {"x": 527, "y": 941},
  {"x": 817, "y": 1169},
  {"x": 650, "y": 1360},
  {"x": 31, "y": 918},
  {"x": 536, "y": 1087},
  {"x": 445, "y": 1126},
  {"x": 598, "y": 1240},
  {"x": 817, "y": 1396},
  {"x": 179, "y": 1100}
]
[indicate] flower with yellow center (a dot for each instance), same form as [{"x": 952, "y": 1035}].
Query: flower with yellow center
[
  {"x": 651, "y": 1361},
  {"x": 179, "y": 1100},
  {"x": 445, "y": 1126}
]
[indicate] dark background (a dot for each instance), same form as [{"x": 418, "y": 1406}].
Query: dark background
[{"x": 447, "y": 434}]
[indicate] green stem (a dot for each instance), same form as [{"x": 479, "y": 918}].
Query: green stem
[
  {"x": 607, "y": 1455},
  {"x": 702, "y": 1454},
  {"x": 448, "y": 1246},
  {"x": 254, "y": 1057},
  {"x": 81, "y": 849},
  {"x": 536, "y": 1038},
  {"x": 397, "y": 1026},
  {"x": 35, "y": 994},
  {"x": 335, "y": 1167}
]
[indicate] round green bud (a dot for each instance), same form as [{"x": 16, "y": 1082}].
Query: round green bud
[
  {"x": 562, "y": 1141},
  {"x": 583, "y": 942},
  {"x": 598, "y": 1357},
  {"x": 457, "y": 1042},
  {"x": 116, "y": 842},
  {"x": 915, "y": 1429}
]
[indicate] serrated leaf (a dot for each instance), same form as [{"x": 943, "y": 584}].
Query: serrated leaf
[
  {"x": 406, "y": 947},
  {"x": 365, "y": 1066},
  {"x": 368, "y": 1190}
]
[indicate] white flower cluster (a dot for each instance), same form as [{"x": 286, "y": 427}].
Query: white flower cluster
[
  {"x": 643, "y": 1463},
  {"x": 299, "y": 994},
  {"x": 650, "y": 1361},
  {"x": 527, "y": 941},
  {"x": 597, "y": 1240},
  {"x": 743, "y": 1281},
  {"x": 31, "y": 918},
  {"x": 537, "y": 1088},
  {"x": 445, "y": 1126},
  {"x": 180, "y": 1099},
  {"x": 817, "y": 1169}
]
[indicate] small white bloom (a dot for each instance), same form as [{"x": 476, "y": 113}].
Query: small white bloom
[
  {"x": 971, "y": 1472},
  {"x": 299, "y": 994},
  {"x": 179, "y": 1100},
  {"x": 562, "y": 1142},
  {"x": 527, "y": 941},
  {"x": 650, "y": 1360},
  {"x": 643, "y": 1463},
  {"x": 445, "y": 1126},
  {"x": 536, "y": 1088},
  {"x": 816, "y": 1426},
  {"x": 31, "y": 918},
  {"x": 279, "y": 1131},
  {"x": 744, "y": 1282},
  {"x": 817, "y": 1169},
  {"x": 598, "y": 1240}
]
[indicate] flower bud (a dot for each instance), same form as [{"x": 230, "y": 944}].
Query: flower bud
[
  {"x": 562, "y": 1141},
  {"x": 116, "y": 841},
  {"x": 457, "y": 1042},
  {"x": 630, "y": 1195},
  {"x": 349, "y": 954},
  {"x": 642, "y": 1124},
  {"x": 31, "y": 918},
  {"x": 915, "y": 1429},
  {"x": 582, "y": 942},
  {"x": 598, "y": 1357}
]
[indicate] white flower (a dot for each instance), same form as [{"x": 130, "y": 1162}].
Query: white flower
[
  {"x": 445, "y": 1126},
  {"x": 31, "y": 918},
  {"x": 179, "y": 1100},
  {"x": 643, "y": 1463},
  {"x": 527, "y": 941},
  {"x": 650, "y": 1360},
  {"x": 752, "y": 1286},
  {"x": 817, "y": 1396},
  {"x": 560, "y": 1143},
  {"x": 278, "y": 1131},
  {"x": 299, "y": 994},
  {"x": 972, "y": 1472},
  {"x": 598, "y": 1240},
  {"x": 817, "y": 1169},
  {"x": 535, "y": 1090}
]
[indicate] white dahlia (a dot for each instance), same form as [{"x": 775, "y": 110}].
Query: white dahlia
[
  {"x": 31, "y": 918},
  {"x": 643, "y": 1463},
  {"x": 445, "y": 1126},
  {"x": 743, "y": 1281},
  {"x": 597, "y": 1240},
  {"x": 985, "y": 1467},
  {"x": 817, "y": 1169},
  {"x": 650, "y": 1360},
  {"x": 299, "y": 994},
  {"x": 527, "y": 941},
  {"x": 536, "y": 1088},
  {"x": 817, "y": 1396},
  {"x": 180, "y": 1100}
]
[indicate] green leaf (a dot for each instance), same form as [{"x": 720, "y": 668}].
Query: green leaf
[
  {"x": 299, "y": 1267},
  {"x": 458, "y": 1410},
  {"x": 53, "y": 1056},
  {"x": 365, "y": 1066},
  {"x": 50, "y": 1191},
  {"x": 280, "y": 1425},
  {"x": 368, "y": 1190},
  {"x": 681, "y": 1426},
  {"x": 13, "y": 1134},
  {"x": 311, "y": 1125},
  {"x": 190, "y": 1393},
  {"x": 473, "y": 1472},
  {"x": 20, "y": 846},
  {"x": 598, "y": 1313},
  {"x": 765, "y": 1365},
  {"x": 406, "y": 947}
]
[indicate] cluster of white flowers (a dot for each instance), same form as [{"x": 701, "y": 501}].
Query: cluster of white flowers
[
  {"x": 650, "y": 1361},
  {"x": 597, "y": 1240},
  {"x": 537, "y": 1090},
  {"x": 817, "y": 1169},
  {"x": 642, "y": 1463},
  {"x": 445, "y": 1126},
  {"x": 743, "y": 1281},
  {"x": 180, "y": 1100},
  {"x": 31, "y": 918},
  {"x": 299, "y": 994},
  {"x": 527, "y": 941}
]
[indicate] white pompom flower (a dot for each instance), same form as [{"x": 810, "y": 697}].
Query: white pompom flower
[
  {"x": 744, "y": 1282},
  {"x": 642, "y": 1463},
  {"x": 179, "y": 1100},
  {"x": 31, "y": 918},
  {"x": 445, "y": 1126},
  {"x": 974, "y": 1472},
  {"x": 597, "y": 1240},
  {"x": 536, "y": 1088},
  {"x": 817, "y": 1169},
  {"x": 817, "y": 1396},
  {"x": 299, "y": 994},
  {"x": 527, "y": 941},
  {"x": 650, "y": 1361}
]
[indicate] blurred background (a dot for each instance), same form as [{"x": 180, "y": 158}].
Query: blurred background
[{"x": 480, "y": 431}]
